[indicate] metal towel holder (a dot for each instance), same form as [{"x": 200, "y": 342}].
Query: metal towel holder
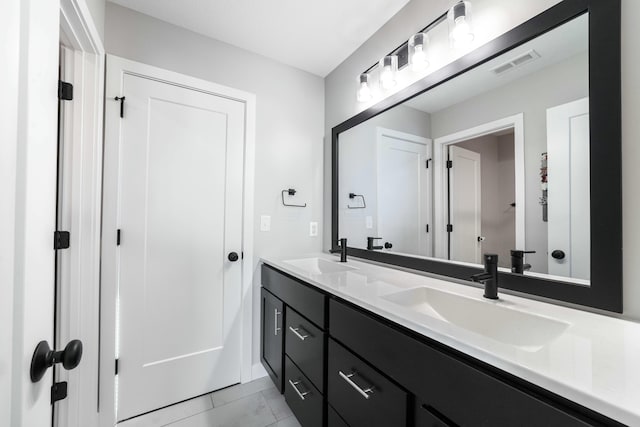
[{"x": 291, "y": 192}]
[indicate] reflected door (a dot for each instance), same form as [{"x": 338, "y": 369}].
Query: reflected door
[
  {"x": 404, "y": 192},
  {"x": 465, "y": 205},
  {"x": 569, "y": 204},
  {"x": 180, "y": 212}
]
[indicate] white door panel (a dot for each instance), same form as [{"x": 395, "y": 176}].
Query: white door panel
[
  {"x": 180, "y": 212},
  {"x": 465, "y": 205},
  {"x": 404, "y": 192},
  {"x": 568, "y": 189}
]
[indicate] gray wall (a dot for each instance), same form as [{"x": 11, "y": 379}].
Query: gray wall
[
  {"x": 289, "y": 123},
  {"x": 532, "y": 95},
  {"x": 97, "y": 10},
  {"x": 340, "y": 104},
  {"x": 358, "y": 168}
]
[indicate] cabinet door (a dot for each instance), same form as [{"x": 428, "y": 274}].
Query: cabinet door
[{"x": 271, "y": 337}]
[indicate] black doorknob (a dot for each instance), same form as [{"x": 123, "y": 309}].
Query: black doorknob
[
  {"x": 44, "y": 358},
  {"x": 233, "y": 256},
  {"x": 557, "y": 254}
]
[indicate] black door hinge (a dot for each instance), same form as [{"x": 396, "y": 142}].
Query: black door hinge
[
  {"x": 65, "y": 91},
  {"x": 427, "y": 228},
  {"x": 61, "y": 240},
  {"x": 58, "y": 391},
  {"x": 449, "y": 228},
  {"x": 121, "y": 99},
  {"x": 427, "y": 163},
  {"x": 117, "y": 366},
  {"x": 118, "y": 237},
  {"x": 449, "y": 164}
]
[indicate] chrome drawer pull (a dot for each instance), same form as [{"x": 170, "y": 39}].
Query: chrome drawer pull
[
  {"x": 276, "y": 313},
  {"x": 295, "y": 331},
  {"x": 365, "y": 393},
  {"x": 294, "y": 385}
]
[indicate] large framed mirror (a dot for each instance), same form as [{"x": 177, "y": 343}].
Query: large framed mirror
[{"x": 512, "y": 149}]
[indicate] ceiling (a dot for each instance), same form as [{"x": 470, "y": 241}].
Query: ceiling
[{"x": 315, "y": 36}]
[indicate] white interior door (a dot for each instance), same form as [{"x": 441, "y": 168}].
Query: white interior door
[
  {"x": 568, "y": 189},
  {"x": 404, "y": 192},
  {"x": 180, "y": 215},
  {"x": 465, "y": 205}
]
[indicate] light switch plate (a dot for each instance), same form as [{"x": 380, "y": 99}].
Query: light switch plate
[
  {"x": 369, "y": 222},
  {"x": 313, "y": 229},
  {"x": 265, "y": 223}
]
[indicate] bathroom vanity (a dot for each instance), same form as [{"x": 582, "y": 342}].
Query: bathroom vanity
[{"x": 363, "y": 345}]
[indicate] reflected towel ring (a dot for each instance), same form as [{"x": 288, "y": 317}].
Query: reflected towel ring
[
  {"x": 291, "y": 192},
  {"x": 353, "y": 196}
]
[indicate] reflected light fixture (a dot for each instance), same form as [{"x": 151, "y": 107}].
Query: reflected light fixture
[
  {"x": 364, "y": 91},
  {"x": 460, "y": 25},
  {"x": 388, "y": 67},
  {"x": 418, "y": 44}
]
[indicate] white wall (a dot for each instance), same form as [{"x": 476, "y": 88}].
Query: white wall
[
  {"x": 9, "y": 73},
  {"x": 358, "y": 168},
  {"x": 340, "y": 102},
  {"x": 289, "y": 123}
]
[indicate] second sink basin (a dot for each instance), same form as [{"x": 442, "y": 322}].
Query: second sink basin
[
  {"x": 527, "y": 331},
  {"x": 319, "y": 265}
]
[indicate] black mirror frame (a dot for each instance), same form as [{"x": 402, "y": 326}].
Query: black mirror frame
[{"x": 605, "y": 291}]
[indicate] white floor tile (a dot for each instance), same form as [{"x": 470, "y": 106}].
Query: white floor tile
[
  {"x": 276, "y": 402},
  {"x": 250, "y": 411},
  {"x": 287, "y": 422},
  {"x": 171, "y": 413},
  {"x": 239, "y": 391}
]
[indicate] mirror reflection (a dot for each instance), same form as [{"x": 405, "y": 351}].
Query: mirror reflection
[{"x": 495, "y": 160}]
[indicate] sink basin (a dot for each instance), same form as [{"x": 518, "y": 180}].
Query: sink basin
[
  {"x": 319, "y": 265},
  {"x": 492, "y": 319}
]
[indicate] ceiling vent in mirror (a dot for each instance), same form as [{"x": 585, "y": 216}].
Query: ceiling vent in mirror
[{"x": 516, "y": 62}]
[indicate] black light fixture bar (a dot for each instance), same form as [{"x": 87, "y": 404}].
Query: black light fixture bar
[{"x": 402, "y": 51}]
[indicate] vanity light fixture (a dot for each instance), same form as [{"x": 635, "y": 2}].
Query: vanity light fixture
[
  {"x": 388, "y": 67},
  {"x": 364, "y": 90},
  {"x": 460, "y": 25},
  {"x": 418, "y": 44}
]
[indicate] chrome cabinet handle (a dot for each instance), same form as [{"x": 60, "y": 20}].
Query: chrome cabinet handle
[
  {"x": 298, "y": 334},
  {"x": 365, "y": 393},
  {"x": 294, "y": 385},
  {"x": 276, "y": 313}
]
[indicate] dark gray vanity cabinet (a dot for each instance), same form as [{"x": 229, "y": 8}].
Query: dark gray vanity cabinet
[
  {"x": 271, "y": 336},
  {"x": 345, "y": 366},
  {"x": 304, "y": 348}
]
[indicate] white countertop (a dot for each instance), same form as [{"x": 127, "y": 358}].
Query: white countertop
[{"x": 595, "y": 362}]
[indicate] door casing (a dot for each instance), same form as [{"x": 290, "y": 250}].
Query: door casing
[{"x": 116, "y": 68}]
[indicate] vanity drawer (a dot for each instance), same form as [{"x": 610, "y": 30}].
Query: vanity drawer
[
  {"x": 426, "y": 416},
  {"x": 362, "y": 396},
  {"x": 333, "y": 419},
  {"x": 302, "y": 397},
  {"x": 304, "y": 344},
  {"x": 463, "y": 390},
  {"x": 299, "y": 295}
]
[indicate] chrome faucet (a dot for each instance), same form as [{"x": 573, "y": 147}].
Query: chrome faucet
[
  {"x": 489, "y": 278},
  {"x": 517, "y": 261},
  {"x": 370, "y": 245},
  {"x": 342, "y": 248}
]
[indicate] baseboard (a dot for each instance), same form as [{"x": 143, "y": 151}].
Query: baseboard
[{"x": 258, "y": 371}]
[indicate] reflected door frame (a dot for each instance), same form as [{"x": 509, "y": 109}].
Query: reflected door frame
[{"x": 440, "y": 151}]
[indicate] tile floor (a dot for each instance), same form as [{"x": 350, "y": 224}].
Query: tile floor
[{"x": 254, "y": 404}]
